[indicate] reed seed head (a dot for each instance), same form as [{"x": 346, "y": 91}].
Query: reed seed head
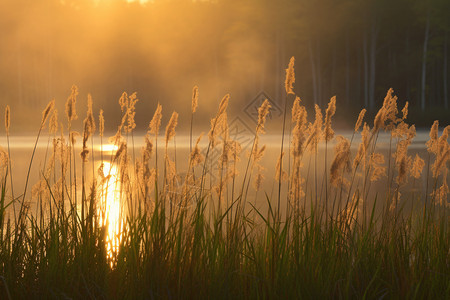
[
  {"x": 295, "y": 109},
  {"x": 7, "y": 119},
  {"x": 170, "y": 129},
  {"x": 432, "y": 142},
  {"x": 341, "y": 161},
  {"x": 263, "y": 111},
  {"x": 53, "y": 123},
  {"x": 101, "y": 123},
  {"x": 290, "y": 77},
  {"x": 194, "y": 99},
  {"x": 71, "y": 112},
  {"x": 47, "y": 111},
  {"x": 405, "y": 111},
  {"x": 90, "y": 115},
  {"x": 417, "y": 167},
  {"x": 131, "y": 112},
  {"x": 360, "y": 119},
  {"x": 376, "y": 163},
  {"x": 155, "y": 123},
  {"x": 196, "y": 155},
  {"x": 331, "y": 110}
]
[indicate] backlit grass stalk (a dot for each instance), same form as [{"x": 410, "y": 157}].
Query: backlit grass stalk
[
  {"x": 45, "y": 114},
  {"x": 7, "y": 126}
]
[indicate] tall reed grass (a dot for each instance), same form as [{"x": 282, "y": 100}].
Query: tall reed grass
[{"x": 198, "y": 234}]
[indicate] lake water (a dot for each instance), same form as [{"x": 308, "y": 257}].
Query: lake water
[{"x": 21, "y": 148}]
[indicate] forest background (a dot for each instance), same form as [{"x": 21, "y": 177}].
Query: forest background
[{"x": 353, "y": 49}]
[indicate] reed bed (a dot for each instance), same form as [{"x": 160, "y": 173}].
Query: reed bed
[{"x": 199, "y": 235}]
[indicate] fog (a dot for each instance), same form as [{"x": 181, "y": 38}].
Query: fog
[
  {"x": 162, "y": 48},
  {"x": 159, "y": 50}
]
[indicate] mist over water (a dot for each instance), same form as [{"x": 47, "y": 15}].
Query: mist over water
[
  {"x": 21, "y": 148},
  {"x": 161, "y": 49}
]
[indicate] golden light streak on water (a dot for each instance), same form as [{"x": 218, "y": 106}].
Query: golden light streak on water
[
  {"x": 111, "y": 211},
  {"x": 107, "y": 148}
]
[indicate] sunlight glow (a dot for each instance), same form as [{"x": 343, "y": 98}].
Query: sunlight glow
[
  {"x": 139, "y": 1},
  {"x": 108, "y": 147},
  {"x": 110, "y": 209}
]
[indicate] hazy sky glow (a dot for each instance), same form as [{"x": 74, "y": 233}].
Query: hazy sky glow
[
  {"x": 140, "y": 1},
  {"x": 162, "y": 48}
]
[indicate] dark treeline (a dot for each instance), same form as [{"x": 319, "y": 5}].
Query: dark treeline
[{"x": 350, "y": 48}]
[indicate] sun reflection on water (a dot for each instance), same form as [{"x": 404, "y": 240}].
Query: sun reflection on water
[{"x": 110, "y": 209}]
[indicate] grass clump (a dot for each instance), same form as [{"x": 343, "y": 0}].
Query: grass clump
[{"x": 142, "y": 230}]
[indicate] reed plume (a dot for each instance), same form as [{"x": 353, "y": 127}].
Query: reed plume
[
  {"x": 64, "y": 153},
  {"x": 46, "y": 112},
  {"x": 194, "y": 104},
  {"x": 196, "y": 156},
  {"x": 120, "y": 151},
  {"x": 331, "y": 110},
  {"x": 171, "y": 172},
  {"x": 363, "y": 147},
  {"x": 290, "y": 77},
  {"x": 439, "y": 165},
  {"x": 341, "y": 161},
  {"x": 405, "y": 111},
  {"x": 147, "y": 149},
  {"x": 295, "y": 109},
  {"x": 71, "y": 112},
  {"x": 315, "y": 130},
  {"x": 417, "y": 167},
  {"x": 101, "y": 123},
  {"x": 360, "y": 119},
  {"x": 4, "y": 159},
  {"x": 53, "y": 123},
  {"x": 153, "y": 127},
  {"x": 131, "y": 112},
  {"x": 217, "y": 123},
  {"x": 402, "y": 160},
  {"x": 386, "y": 117},
  {"x": 299, "y": 116},
  {"x": 86, "y": 134},
  {"x": 123, "y": 102},
  {"x": 7, "y": 119},
  {"x": 90, "y": 116},
  {"x": 155, "y": 123},
  {"x": 432, "y": 142},
  {"x": 194, "y": 99},
  {"x": 376, "y": 163},
  {"x": 263, "y": 111},
  {"x": 170, "y": 129}
]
